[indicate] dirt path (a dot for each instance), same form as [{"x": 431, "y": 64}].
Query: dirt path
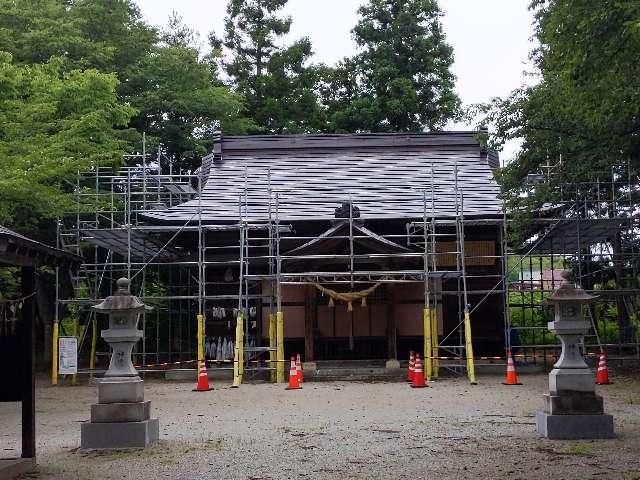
[{"x": 336, "y": 431}]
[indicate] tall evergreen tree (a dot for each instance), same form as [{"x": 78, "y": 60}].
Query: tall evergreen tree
[
  {"x": 180, "y": 104},
  {"x": 401, "y": 80},
  {"x": 276, "y": 82}
]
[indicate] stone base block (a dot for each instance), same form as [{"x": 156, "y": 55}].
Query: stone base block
[
  {"x": 392, "y": 363},
  {"x": 119, "y": 435},
  {"x": 573, "y": 403},
  {"x": 309, "y": 368},
  {"x": 571, "y": 380},
  {"x": 574, "y": 427},
  {"x": 120, "y": 412},
  {"x": 121, "y": 390}
]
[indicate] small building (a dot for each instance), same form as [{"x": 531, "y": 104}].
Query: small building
[
  {"x": 17, "y": 337},
  {"x": 301, "y": 220}
]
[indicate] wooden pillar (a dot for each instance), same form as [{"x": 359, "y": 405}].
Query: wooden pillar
[
  {"x": 310, "y": 314},
  {"x": 28, "y": 361},
  {"x": 392, "y": 330}
]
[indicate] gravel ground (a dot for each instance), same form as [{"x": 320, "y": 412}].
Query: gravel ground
[{"x": 335, "y": 430}]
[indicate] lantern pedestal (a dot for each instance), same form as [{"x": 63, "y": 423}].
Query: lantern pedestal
[
  {"x": 121, "y": 418},
  {"x": 574, "y": 426},
  {"x": 572, "y": 410}
]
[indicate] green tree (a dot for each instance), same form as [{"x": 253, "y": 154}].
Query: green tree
[
  {"x": 401, "y": 80},
  {"x": 180, "y": 103},
  {"x": 179, "y": 99},
  {"x": 276, "y": 82},
  {"x": 586, "y": 105},
  {"x": 52, "y": 123},
  {"x": 583, "y": 115},
  {"x": 108, "y": 35}
]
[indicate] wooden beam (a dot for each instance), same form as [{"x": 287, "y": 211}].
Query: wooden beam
[
  {"x": 392, "y": 327},
  {"x": 28, "y": 362},
  {"x": 310, "y": 314}
]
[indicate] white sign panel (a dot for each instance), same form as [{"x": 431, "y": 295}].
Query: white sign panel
[{"x": 67, "y": 355}]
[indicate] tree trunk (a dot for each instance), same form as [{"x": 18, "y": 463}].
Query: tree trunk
[
  {"x": 392, "y": 347},
  {"x": 309, "y": 324},
  {"x": 45, "y": 303}
]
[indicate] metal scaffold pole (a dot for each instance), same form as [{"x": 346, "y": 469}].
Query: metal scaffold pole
[
  {"x": 468, "y": 343},
  {"x": 351, "y": 267},
  {"x": 279, "y": 316},
  {"x": 433, "y": 314},
  {"x": 272, "y": 314},
  {"x": 426, "y": 313},
  {"x": 56, "y": 319},
  {"x": 238, "y": 360},
  {"x": 505, "y": 279},
  {"x": 200, "y": 315}
]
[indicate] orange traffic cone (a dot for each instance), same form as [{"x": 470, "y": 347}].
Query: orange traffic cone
[
  {"x": 203, "y": 379},
  {"x": 294, "y": 381},
  {"x": 418, "y": 374},
  {"x": 512, "y": 378},
  {"x": 412, "y": 360},
  {"x": 602, "y": 374},
  {"x": 299, "y": 368}
]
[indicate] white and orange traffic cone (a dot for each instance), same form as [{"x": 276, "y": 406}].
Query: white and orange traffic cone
[
  {"x": 512, "y": 377},
  {"x": 602, "y": 374},
  {"x": 418, "y": 374},
  {"x": 412, "y": 360},
  {"x": 299, "y": 368},
  {"x": 203, "y": 379},
  {"x": 294, "y": 381}
]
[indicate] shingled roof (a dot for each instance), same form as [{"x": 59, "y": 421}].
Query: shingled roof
[{"x": 314, "y": 174}]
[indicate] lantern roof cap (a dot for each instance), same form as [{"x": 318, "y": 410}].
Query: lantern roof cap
[
  {"x": 120, "y": 300},
  {"x": 568, "y": 291}
]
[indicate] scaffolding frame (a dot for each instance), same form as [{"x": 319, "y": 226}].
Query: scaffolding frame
[{"x": 111, "y": 202}]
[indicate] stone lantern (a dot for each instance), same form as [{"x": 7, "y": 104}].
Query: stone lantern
[
  {"x": 121, "y": 418},
  {"x": 572, "y": 410}
]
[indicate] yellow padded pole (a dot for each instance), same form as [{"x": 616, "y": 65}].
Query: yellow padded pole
[
  {"x": 241, "y": 347},
  {"x": 200, "y": 338},
  {"x": 426, "y": 320},
  {"x": 54, "y": 355},
  {"x": 280, "y": 347},
  {"x": 468, "y": 346},
  {"x": 237, "y": 352},
  {"x": 272, "y": 346},
  {"x": 435, "y": 365}
]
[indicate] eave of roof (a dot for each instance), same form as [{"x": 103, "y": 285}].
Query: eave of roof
[{"x": 18, "y": 250}]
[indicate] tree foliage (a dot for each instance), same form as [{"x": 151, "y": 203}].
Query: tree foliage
[
  {"x": 580, "y": 122},
  {"x": 401, "y": 80},
  {"x": 276, "y": 82},
  {"x": 161, "y": 83},
  {"x": 53, "y": 122},
  {"x": 585, "y": 109},
  {"x": 180, "y": 103},
  {"x": 108, "y": 35}
]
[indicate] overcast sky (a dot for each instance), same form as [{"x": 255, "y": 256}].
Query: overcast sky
[{"x": 491, "y": 38}]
